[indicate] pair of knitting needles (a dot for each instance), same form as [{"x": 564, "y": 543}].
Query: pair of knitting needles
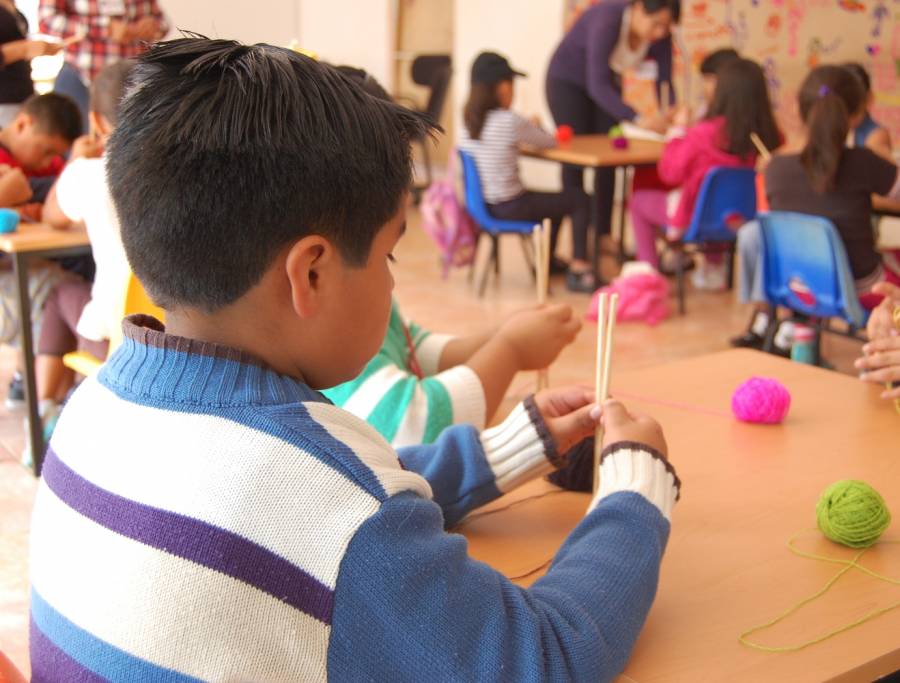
[
  {"x": 540, "y": 236},
  {"x": 606, "y": 325}
]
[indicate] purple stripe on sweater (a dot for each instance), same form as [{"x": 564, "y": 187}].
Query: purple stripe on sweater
[
  {"x": 191, "y": 539},
  {"x": 49, "y": 664}
]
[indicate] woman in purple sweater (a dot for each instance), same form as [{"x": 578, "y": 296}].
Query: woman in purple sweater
[{"x": 584, "y": 81}]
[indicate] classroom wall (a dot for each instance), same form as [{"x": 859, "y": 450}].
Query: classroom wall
[{"x": 527, "y": 33}]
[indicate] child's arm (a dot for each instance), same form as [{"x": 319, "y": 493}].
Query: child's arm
[
  {"x": 601, "y": 42},
  {"x": 14, "y": 188},
  {"x": 467, "y": 470},
  {"x": 530, "y": 133},
  {"x": 408, "y": 597},
  {"x": 879, "y": 141},
  {"x": 52, "y": 214}
]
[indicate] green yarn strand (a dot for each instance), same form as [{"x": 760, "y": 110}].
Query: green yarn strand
[{"x": 852, "y": 513}]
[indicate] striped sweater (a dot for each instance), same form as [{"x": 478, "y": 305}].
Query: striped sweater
[
  {"x": 496, "y": 152},
  {"x": 201, "y": 517},
  {"x": 405, "y": 408}
]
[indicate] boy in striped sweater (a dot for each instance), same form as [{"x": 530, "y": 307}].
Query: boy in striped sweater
[{"x": 205, "y": 514}]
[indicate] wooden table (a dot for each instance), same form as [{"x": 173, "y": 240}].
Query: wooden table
[
  {"x": 746, "y": 490},
  {"x": 597, "y": 151},
  {"x": 36, "y": 241}
]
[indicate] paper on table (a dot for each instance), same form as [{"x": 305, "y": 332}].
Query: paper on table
[{"x": 633, "y": 132}]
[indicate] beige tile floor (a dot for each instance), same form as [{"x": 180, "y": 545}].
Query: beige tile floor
[{"x": 449, "y": 305}]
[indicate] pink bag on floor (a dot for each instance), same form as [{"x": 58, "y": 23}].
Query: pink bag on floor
[{"x": 643, "y": 295}]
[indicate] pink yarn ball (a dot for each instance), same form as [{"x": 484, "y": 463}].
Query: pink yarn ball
[{"x": 761, "y": 400}]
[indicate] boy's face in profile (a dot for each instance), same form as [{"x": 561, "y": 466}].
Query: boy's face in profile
[
  {"x": 356, "y": 325},
  {"x": 32, "y": 147}
]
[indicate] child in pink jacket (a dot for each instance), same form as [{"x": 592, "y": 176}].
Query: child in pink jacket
[{"x": 739, "y": 107}]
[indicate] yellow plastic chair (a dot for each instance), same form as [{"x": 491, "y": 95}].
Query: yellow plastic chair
[{"x": 135, "y": 301}]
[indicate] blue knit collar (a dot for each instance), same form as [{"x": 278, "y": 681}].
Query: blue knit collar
[{"x": 155, "y": 365}]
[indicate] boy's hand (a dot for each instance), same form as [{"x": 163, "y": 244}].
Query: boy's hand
[
  {"x": 536, "y": 336},
  {"x": 87, "y": 147},
  {"x": 881, "y": 322},
  {"x": 569, "y": 413},
  {"x": 620, "y": 425}
]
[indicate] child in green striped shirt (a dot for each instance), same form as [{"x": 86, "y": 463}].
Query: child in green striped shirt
[{"x": 419, "y": 383}]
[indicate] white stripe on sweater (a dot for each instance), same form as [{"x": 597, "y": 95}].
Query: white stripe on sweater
[
  {"x": 125, "y": 593},
  {"x": 515, "y": 451},
  {"x": 370, "y": 447},
  {"x": 368, "y": 394},
  {"x": 638, "y": 471},
  {"x": 190, "y": 463},
  {"x": 411, "y": 431},
  {"x": 430, "y": 350}
]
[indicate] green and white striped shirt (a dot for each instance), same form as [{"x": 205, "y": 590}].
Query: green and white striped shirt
[{"x": 405, "y": 408}]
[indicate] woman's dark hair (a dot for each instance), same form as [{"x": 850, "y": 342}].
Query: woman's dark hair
[
  {"x": 829, "y": 96},
  {"x": 742, "y": 98},
  {"x": 860, "y": 72},
  {"x": 715, "y": 61},
  {"x": 482, "y": 99},
  {"x": 654, "y": 6}
]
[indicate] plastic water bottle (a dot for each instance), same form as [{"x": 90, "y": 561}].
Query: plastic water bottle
[{"x": 803, "y": 349}]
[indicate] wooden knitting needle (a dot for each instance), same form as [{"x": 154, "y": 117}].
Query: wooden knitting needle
[
  {"x": 541, "y": 237},
  {"x": 606, "y": 323},
  {"x": 760, "y": 147}
]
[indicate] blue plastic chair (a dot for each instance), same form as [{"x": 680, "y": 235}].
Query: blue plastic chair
[
  {"x": 490, "y": 226},
  {"x": 726, "y": 201},
  {"x": 805, "y": 269}
]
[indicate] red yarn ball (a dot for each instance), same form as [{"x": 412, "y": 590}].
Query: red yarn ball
[
  {"x": 761, "y": 400},
  {"x": 564, "y": 133}
]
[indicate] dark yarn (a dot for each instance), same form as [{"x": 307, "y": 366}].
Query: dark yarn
[{"x": 577, "y": 473}]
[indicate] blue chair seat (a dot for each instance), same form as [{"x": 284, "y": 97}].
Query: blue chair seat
[{"x": 491, "y": 226}]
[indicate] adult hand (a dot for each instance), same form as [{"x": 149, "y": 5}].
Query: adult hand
[
  {"x": 658, "y": 123},
  {"x": 120, "y": 32}
]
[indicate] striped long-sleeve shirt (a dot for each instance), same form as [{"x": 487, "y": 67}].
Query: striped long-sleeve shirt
[
  {"x": 201, "y": 517},
  {"x": 496, "y": 152},
  {"x": 405, "y": 408}
]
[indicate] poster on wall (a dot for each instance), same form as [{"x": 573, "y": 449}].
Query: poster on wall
[{"x": 788, "y": 38}]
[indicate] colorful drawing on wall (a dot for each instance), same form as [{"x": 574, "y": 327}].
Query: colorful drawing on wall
[{"x": 787, "y": 37}]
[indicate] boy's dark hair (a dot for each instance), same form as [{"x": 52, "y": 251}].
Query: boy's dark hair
[
  {"x": 226, "y": 153},
  {"x": 860, "y": 72},
  {"x": 742, "y": 99},
  {"x": 716, "y": 60},
  {"x": 828, "y": 97},
  {"x": 55, "y": 115},
  {"x": 108, "y": 88},
  {"x": 366, "y": 81},
  {"x": 654, "y": 6}
]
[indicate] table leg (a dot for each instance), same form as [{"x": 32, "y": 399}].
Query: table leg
[
  {"x": 35, "y": 432},
  {"x": 619, "y": 212},
  {"x": 596, "y": 224}
]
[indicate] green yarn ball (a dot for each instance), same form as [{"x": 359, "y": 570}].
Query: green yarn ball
[{"x": 852, "y": 513}]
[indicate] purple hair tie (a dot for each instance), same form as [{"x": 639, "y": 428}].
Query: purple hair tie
[{"x": 824, "y": 90}]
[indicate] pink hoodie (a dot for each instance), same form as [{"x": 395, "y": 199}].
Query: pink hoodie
[{"x": 686, "y": 160}]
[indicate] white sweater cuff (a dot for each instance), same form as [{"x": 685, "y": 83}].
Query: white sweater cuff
[
  {"x": 429, "y": 351},
  {"x": 518, "y": 449},
  {"x": 638, "y": 468},
  {"x": 466, "y": 395}
]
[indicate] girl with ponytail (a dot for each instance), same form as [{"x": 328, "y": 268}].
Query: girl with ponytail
[
  {"x": 827, "y": 179},
  {"x": 832, "y": 180}
]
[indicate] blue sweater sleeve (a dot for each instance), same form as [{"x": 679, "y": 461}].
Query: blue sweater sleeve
[
  {"x": 410, "y": 605},
  {"x": 467, "y": 469}
]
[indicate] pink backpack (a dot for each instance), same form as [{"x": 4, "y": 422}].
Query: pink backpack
[{"x": 447, "y": 222}]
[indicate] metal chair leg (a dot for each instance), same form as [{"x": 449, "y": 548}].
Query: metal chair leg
[
  {"x": 474, "y": 258},
  {"x": 487, "y": 267},
  {"x": 529, "y": 259},
  {"x": 729, "y": 268},
  {"x": 679, "y": 278},
  {"x": 496, "y": 239}
]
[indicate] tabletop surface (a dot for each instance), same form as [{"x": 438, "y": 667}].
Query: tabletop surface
[
  {"x": 598, "y": 150},
  {"x": 746, "y": 490},
  {"x": 39, "y": 236}
]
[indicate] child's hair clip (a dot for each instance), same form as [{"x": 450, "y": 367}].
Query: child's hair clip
[{"x": 824, "y": 90}]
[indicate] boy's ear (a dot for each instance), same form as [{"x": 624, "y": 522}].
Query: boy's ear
[
  {"x": 312, "y": 265},
  {"x": 99, "y": 124},
  {"x": 23, "y": 121}
]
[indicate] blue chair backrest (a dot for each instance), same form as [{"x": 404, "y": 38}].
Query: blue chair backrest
[
  {"x": 477, "y": 206},
  {"x": 726, "y": 201},
  {"x": 806, "y": 268}
]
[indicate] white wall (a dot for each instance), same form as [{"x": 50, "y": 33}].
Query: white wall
[
  {"x": 262, "y": 21},
  {"x": 527, "y": 34}
]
